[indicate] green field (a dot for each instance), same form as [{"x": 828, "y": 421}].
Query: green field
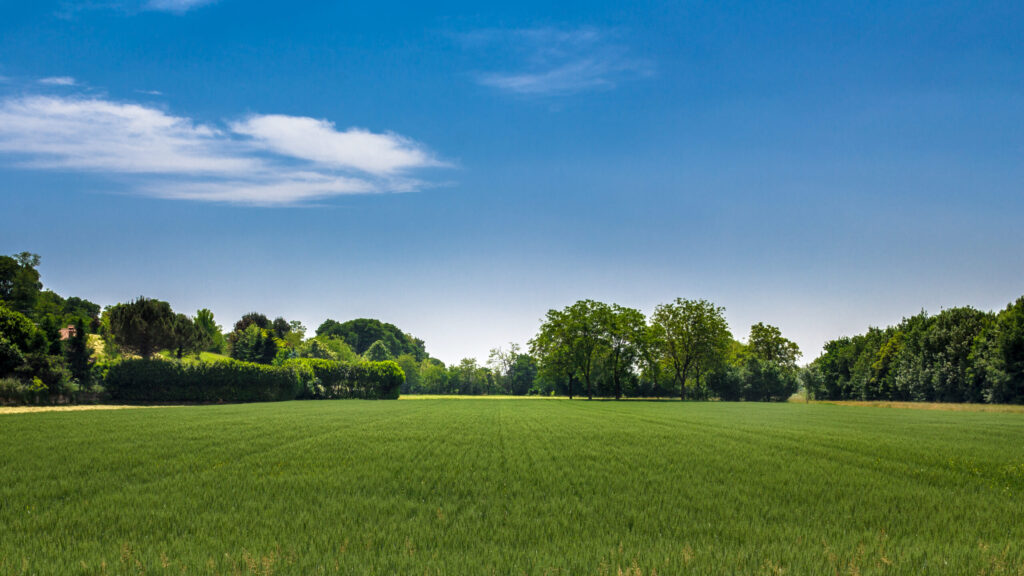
[{"x": 512, "y": 487}]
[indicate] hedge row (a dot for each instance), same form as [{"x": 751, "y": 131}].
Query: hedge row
[
  {"x": 168, "y": 381},
  {"x": 331, "y": 379}
]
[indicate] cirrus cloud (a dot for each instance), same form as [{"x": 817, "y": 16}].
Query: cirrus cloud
[
  {"x": 553, "y": 61},
  {"x": 58, "y": 81},
  {"x": 267, "y": 160},
  {"x": 175, "y": 5}
]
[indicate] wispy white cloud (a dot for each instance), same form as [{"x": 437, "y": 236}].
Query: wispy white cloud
[
  {"x": 58, "y": 81},
  {"x": 71, "y": 8},
  {"x": 280, "y": 189},
  {"x": 551, "y": 61},
  {"x": 566, "y": 78},
  {"x": 262, "y": 160},
  {"x": 175, "y": 5}
]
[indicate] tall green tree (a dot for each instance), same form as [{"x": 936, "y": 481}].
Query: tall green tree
[
  {"x": 772, "y": 372},
  {"x": 514, "y": 371},
  {"x": 186, "y": 336},
  {"x": 999, "y": 356},
  {"x": 553, "y": 351},
  {"x": 142, "y": 326},
  {"x": 77, "y": 353},
  {"x": 623, "y": 331},
  {"x": 434, "y": 378},
  {"x": 570, "y": 339},
  {"x": 693, "y": 336},
  {"x": 251, "y": 318},
  {"x": 19, "y": 282},
  {"x": 210, "y": 331},
  {"x": 19, "y": 339}
]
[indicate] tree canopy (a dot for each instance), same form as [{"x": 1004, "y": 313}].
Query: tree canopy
[
  {"x": 362, "y": 333},
  {"x": 142, "y": 326}
]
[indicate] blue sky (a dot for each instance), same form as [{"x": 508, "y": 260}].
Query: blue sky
[{"x": 458, "y": 168}]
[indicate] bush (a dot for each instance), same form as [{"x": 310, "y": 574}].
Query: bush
[
  {"x": 726, "y": 383},
  {"x": 168, "y": 381},
  {"x": 369, "y": 380},
  {"x": 17, "y": 391}
]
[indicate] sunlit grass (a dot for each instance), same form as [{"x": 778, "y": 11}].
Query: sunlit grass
[{"x": 438, "y": 486}]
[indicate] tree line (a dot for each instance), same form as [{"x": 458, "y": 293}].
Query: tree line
[
  {"x": 593, "y": 349},
  {"x": 957, "y": 355}
]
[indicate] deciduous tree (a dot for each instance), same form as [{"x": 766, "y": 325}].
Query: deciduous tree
[{"x": 693, "y": 336}]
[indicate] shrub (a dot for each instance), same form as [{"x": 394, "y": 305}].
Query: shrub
[
  {"x": 167, "y": 381},
  {"x": 332, "y": 379},
  {"x": 17, "y": 391}
]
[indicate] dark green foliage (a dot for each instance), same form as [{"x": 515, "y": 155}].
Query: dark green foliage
[
  {"x": 726, "y": 382},
  {"x": 167, "y": 381},
  {"x": 143, "y": 326},
  {"x": 78, "y": 355},
  {"x": 254, "y": 344},
  {"x": 767, "y": 381},
  {"x": 24, "y": 354},
  {"x": 47, "y": 368},
  {"x": 378, "y": 352},
  {"x": 19, "y": 282},
  {"x": 362, "y": 333},
  {"x": 569, "y": 342},
  {"x": 253, "y": 318},
  {"x": 186, "y": 337},
  {"x": 770, "y": 370},
  {"x": 254, "y": 340},
  {"x": 75, "y": 307},
  {"x": 10, "y": 356},
  {"x": 366, "y": 380},
  {"x": 958, "y": 355},
  {"x": 66, "y": 312},
  {"x": 51, "y": 326},
  {"x": 17, "y": 329},
  {"x": 280, "y": 327},
  {"x": 22, "y": 391},
  {"x": 522, "y": 375},
  {"x": 233, "y": 381},
  {"x": 999, "y": 356},
  {"x": 693, "y": 338},
  {"x": 622, "y": 334}
]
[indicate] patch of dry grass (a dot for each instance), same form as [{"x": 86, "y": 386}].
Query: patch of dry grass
[
  {"x": 1005, "y": 408},
  {"x": 73, "y": 408}
]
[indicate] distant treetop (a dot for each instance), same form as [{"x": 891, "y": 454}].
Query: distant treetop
[{"x": 361, "y": 333}]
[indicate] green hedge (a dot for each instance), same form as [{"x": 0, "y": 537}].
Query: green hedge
[
  {"x": 233, "y": 381},
  {"x": 168, "y": 381},
  {"x": 332, "y": 379}
]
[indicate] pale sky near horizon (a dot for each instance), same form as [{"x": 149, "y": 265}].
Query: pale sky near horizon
[{"x": 458, "y": 169}]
